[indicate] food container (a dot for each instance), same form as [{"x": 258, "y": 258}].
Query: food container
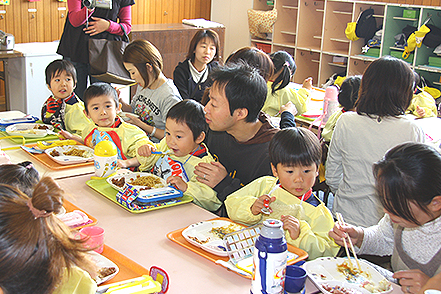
[
  {"x": 7, "y": 41},
  {"x": 409, "y": 13}
]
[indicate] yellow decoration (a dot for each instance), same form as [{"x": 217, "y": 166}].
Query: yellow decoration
[
  {"x": 105, "y": 149},
  {"x": 4, "y": 2}
]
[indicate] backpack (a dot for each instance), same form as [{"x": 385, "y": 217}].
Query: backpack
[
  {"x": 366, "y": 25},
  {"x": 432, "y": 38}
]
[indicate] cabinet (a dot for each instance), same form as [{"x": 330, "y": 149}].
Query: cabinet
[{"x": 313, "y": 31}]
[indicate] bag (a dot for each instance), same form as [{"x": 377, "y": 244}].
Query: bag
[
  {"x": 105, "y": 58},
  {"x": 366, "y": 25},
  {"x": 432, "y": 38}
]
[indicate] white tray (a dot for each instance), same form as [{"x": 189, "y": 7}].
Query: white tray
[
  {"x": 199, "y": 235},
  {"x": 67, "y": 159},
  {"x": 324, "y": 271},
  {"x": 102, "y": 261},
  {"x": 129, "y": 176},
  {"x": 27, "y": 130}
]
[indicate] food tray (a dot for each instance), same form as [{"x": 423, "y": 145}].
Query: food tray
[
  {"x": 28, "y": 130},
  {"x": 48, "y": 162},
  {"x": 324, "y": 270},
  {"x": 19, "y": 139},
  {"x": 130, "y": 176},
  {"x": 69, "y": 159},
  {"x": 103, "y": 188},
  {"x": 177, "y": 237}
]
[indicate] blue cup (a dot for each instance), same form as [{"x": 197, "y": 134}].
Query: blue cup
[{"x": 295, "y": 279}]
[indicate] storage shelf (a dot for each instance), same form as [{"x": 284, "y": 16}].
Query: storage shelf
[
  {"x": 341, "y": 53},
  {"x": 396, "y": 48},
  {"x": 317, "y": 37},
  {"x": 285, "y": 45},
  {"x": 378, "y": 16},
  {"x": 320, "y": 10},
  {"x": 262, "y": 41},
  {"x": 315, "y": 60},
  {"x": 338, "y": 64},
  {"x": 437, "y": 83},
  {"x": 289, "y": 7},
  {"x": 429, "y": 68},
  {"x": 364, "y": 57},
  {"x": 288, "y": 33},
  {"x": 342, "y": 12},
  {"x": 315, "y": 50},
  {"x": 404, "y": 18},
  {"x": 339, "y": 40}
]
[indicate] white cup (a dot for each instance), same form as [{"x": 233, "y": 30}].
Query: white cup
[{"x": 105, "y": 165}]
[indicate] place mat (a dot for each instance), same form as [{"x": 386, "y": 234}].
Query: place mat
[
  {"x": 48, "y": 162},
  {"x": 128, "y": 269},
  {"x": 69, "y": 206},
  {"x": 102, "y": 187},
  {"x": 176, "y": 236}
]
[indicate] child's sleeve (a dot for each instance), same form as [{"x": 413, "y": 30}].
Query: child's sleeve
[
  {"x": 314, "y": 237},
  {"x": 300, "y": 98},
  {"x": 134, "y": 138},
  {"x": 147, "y": 163},
  {"x": 75, "y": 120},
  {"x": 423, "y": 100}
]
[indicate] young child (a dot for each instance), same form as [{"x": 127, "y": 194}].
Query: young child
[
  {"x": 39, "y": 254},
  {"x": 346, "y": 97},
  {"x": 422, "y": 103},
  {"x": 408, "y": 183},
  {"x": 278, "y": 92},
  {"x": 102, "y": 106},
  {"x": 295, "y": 154},
  {"x": 155, "y": 94},
  {"x": 182, "y": 150},
  {"x": 22, "y": 176},
  {"x": 63, "y": 110},
  {"x": 191, "y": 76}
]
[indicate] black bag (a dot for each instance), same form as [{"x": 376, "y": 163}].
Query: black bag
[
  {"x": 432, "y": 38},
  {"x": 366, "y": 25},
  {"x": 105, "y": 58}
]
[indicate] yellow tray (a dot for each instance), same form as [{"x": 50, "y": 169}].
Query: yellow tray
[{"x": 102, "y": 187}]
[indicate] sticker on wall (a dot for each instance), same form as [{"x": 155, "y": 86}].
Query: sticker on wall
[
  {"x": 4, "y": 2},
  {"x": 62, "y": 0}
]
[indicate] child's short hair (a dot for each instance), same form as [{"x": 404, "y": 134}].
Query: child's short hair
[
  {"x": 23, "y": 176},
  {"x": 409, "y": 172},
  {"x": 99, "y": 89},
  {"x": 295, "y": 147},
  {"x": 255, "y": 58},
  {"x": 191, "y": 113},
  {"x": 56, "y": 67},
  {"x": 282, "y": 60},
  {"x": 348, "y": 94}
]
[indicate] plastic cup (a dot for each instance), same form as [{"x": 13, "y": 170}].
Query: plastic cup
[
  {"x": 295, "y": 278},
  {"x": 95, "y": 237}
]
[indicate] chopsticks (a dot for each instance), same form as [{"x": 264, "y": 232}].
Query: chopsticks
[
  {"x": 129, "y": 85},
  {"x": 342, "y": 222}
]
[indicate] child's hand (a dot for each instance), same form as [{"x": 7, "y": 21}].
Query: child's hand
[
  {"x": 289, "y": 106},
  {"x": 178, "y": 182},
  {"x": 307, "y": 83},
  {"x": 420, "y": 111},
  {"x": 134, "y": 119},
  {"x": 118, "y": 92},
  {"x": 411, "y": 281},
  {"x": 132, "y": 162},
  {"x": 66, "y": 135},
  {"x": 338, "y": 233},
  {"x": 257, "y": 206},
  {"x": 146, "y": 150},
  {"x": 291, "y": 224}
]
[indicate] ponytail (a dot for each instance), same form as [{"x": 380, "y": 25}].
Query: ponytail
[{"x": 283, "y": 63}]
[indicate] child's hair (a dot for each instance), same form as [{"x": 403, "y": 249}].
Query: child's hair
[
  {"x": 244, "y": 87},
  {"x": 386, "y": 88},
  {"x": 409, "y": 172},
  {"x": 191, "y": 113},
  {"x": 22, "y": 176},
  {"x": 295, "y": 147},
  {"x": 35, "y": 246},
  {"x": 99, "y": 89},
  {"x": 348, "y": 94},
  {"x": 140, "y": 53},
  {"x": 283, "y": 62},
  {"x": 56, "y": 67},
  {"x": 255, "y": 58},
  {"x": 198, "y": 37}
]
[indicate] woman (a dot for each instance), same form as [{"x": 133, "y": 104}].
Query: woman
[
  {"x": 97, "y": 23},
  {"x": 363, "y": 137},
  {"x": 191, "y": 75}
]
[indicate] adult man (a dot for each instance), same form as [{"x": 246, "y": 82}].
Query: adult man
[{"x": 239, "y": 132}]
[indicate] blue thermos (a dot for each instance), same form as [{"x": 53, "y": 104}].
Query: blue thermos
[{"x": 269, "y": 258}]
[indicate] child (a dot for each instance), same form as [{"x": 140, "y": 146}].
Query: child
[
  {"x": 22, "y": 176},
  {"x": 185, "y": 130},
  {"x": 346, "y": 97},
  {"x": 408, "y": 183},
  {"x": 155, "y": 94},
  {"x": 278, "y": 92},
  {"x": 295, "y": 154},
  {"x": 102, "y": 106},
  {"x": 422, "y": 103},
  {"x": 191, "y": 75},
  {"x": 39, "y": 254},
  {"x": 63, "y": 110}
]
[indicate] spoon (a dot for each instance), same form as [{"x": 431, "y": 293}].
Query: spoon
[{"x": 266, "y": 209}]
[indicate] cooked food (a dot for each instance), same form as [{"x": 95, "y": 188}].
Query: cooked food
[
  {"x": 106, "y": 271},
  {"x": 77, "y": 152},
  {"x": 119, "y": 182},
  {"x": 54, "y": 153},
  {"x": 147, "y": 181},
  {"x": 351, "y": 274},
  {"x": 222, "y": 231},
  {"x": 41, "y": 127},
  {"x": 198, "y": 241},
  {"x": 383, "y": 285},
  {"x": 362, "y": 278},
  {"x": 339, "y": 289}
]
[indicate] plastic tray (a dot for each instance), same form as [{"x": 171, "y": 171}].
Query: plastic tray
[
  {"x": 103, "y": 188},
  {"x": 176, "y": 236},
  {"x": 19, "y": 139}
]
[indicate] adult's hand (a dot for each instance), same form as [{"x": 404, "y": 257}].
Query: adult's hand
[
  {"x": 97, "y": 26},
  {"x": 411, "y": 281},
  {"x": 211, "y": 173}
]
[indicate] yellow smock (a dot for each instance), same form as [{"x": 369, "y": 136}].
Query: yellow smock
[
  {"x": 77, "y": 282},
  {"x": 299, "y": 98},
  {"x": 423, "y": 100}
]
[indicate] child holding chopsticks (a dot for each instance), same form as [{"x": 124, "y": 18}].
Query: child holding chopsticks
[{"x": 408, "y": 182}]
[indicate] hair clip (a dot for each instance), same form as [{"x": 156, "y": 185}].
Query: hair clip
[{"x": 29, "y": 166}]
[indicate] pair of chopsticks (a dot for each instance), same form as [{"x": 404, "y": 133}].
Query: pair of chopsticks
[
  {"x": 342, "y": 222},
  {"x": 129, "y": 85}
]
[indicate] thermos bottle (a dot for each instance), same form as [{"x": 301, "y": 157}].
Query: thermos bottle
[{"x": 269, "y": 258}]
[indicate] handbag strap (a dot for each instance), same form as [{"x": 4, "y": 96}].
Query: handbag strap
[{"x": 125, "y": 34}]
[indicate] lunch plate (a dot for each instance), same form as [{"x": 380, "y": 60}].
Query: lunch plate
[
  {"x": 69, "y": 159},
  {"x": 131, "y": 176},
  {"x": 201, "y": 235},
  {"x": 28, "y": 130},
  {"x": 103, "y": 262},
  {"x": 325, "y": 270}
]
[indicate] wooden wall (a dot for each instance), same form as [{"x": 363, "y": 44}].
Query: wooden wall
[{"x": 43, "y": 20}]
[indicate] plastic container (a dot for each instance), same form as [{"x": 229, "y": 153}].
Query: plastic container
[
  {"x": 330, "y": 103},
  {"x": 269, "y": 257},
  {"x": 105, "y": 159}
]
